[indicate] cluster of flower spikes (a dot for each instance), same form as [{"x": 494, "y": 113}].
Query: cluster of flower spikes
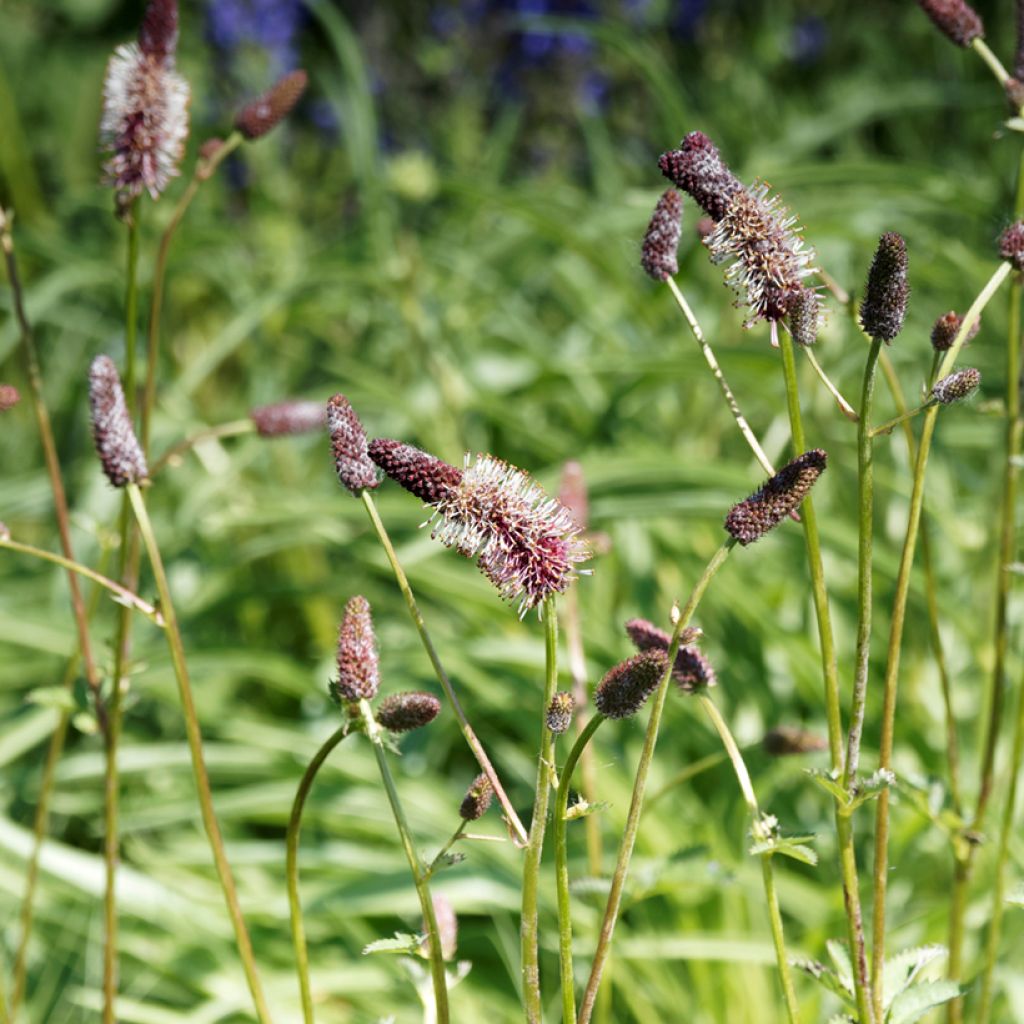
[
  {"x": 119, "y": 450},
  {"x": 527, "y": 544},
  {"x": 692, "y": 671}
]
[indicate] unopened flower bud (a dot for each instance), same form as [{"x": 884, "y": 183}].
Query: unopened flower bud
[
  {"x": 284, "y": 418},
  {"x": 946, "y": 328},
  {"x": 1011, "y": 245},
  {"x": 625, "y": 688},
  {"x": 267, "y": 111},
  {"x": 954, "y": 19},
  {"x": 787, "y": 739},
  {"x": 423, "y": 475},
  {"x": 477, "y": 799},
  {"x": 403, "y": 712},
  {"x": 559, "y": 713},
  {"x": 112, "y": 430},
  {"x": 358, "y": 665},
  {"x": 885, "y": 300},
  {"x": 957, "y": 386},
  {"x": 805, "y": 317},
  {"x": 9, "y": 397},
  {"x": 658, "y": 254},
  {"x": 348, "y": 444}
]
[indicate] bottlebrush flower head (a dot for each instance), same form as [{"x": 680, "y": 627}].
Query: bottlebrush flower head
[
  {"x": 1011, "y": 245},
  {"x": 559, "y": 713},
  {"x": 403, "y": 712},
  {"x": 145, "y": 108},
  {"x": 447, "y": 928},
  {"x": 9, "y": 397},
  {"x": 423, "y": 475},
  {"x": 760, "y": 240},
  {"x": 358, "y": 664},
  {"x": 784, "y": 740},
  {"x": 266, "y": 112},
  {"x": 477, "y": 799},
  {"x": 698, "y": 169},
  {"x": 348, "y": 443},
  {"x": 957, "y": 386},
  {"x": 625, "y": 688},
  {"x": 112, "y": 430},
  {"x": 658, "y": 254},
  {"x": 885, "y": 299},
  {"x": 294, "y": 417},
  {"x": 691, "y": 671},
  {"x": 954, "y": 19},
  {"x": 946, "y": 328},
  {"x": 805, "y": 317},
  {"x": 751, "y": 519}
]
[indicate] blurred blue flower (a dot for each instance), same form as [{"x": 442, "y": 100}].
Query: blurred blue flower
[
  {"x": 808, "y": 40},
  {"x": 272, "y": 25}
]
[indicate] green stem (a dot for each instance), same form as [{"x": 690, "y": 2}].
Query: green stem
[
  {"x": 437, "y": 970},
  {"x": 611, "y": 912},
  {"x": 195, "y": 744},
  {"x": 881, "y": 865},
  {"x": 292, "y": 868},
  {"x": 992, "y": 62},
  {"x": 768, "y": 874},
  {"x": 908, "y": 414},
  {"x": 844, "y": 406},
  {"x": 844, "y": 827},
  {"x": 458, "y": 834},
  {"x": 511, "y": 818},
  {"x": 528, "y": 928},
  {"x": 865, "y": 541},
  {"x": 698, "y": 767}
]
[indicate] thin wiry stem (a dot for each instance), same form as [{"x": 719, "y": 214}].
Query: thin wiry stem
[
  {"x": 844, "y": 406},
  {"x": 611, "y": 912},
  {"x": 235, "y": 428},
  {"x": 904, "y": 417},
  {"x": 512, "y": 819},
  {"x": 992, "y": 62},
  {"x": 292, "y": 868},
  {"x": 195, "y": 745},
  {"x": 528, "y": 927},
  {"x": 881, "y": 865}
]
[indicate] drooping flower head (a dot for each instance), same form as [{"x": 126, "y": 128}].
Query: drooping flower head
[
  {"x": 284, "y": 418},
  {"x": 1011, "y": 245},
  {"x": 698, "y": 169},
  {"x": 477, "y": 799},
  {"x": 348, "y": 444},
  {"x": 265, "y": 112},
  {"x": 957, "y": 386},
  {"x": 558, "y": 716},
  {"x": 9, "y": 397},
  {"x": 403, "y": 712},
  {"x": 692, "y": 671},
  {"x": 145, "y": 108},
  {"x": 112, "y": 430},
  {"x": 750, "y": 519},
  {"x": 658, "y": 253},
  {"x": 955, "y": 19},
  {"x": 946, "y": 328},
  {"x": 358, "y": 664},
  {"x": 785, "y": 740},
  {"x": 624, "y": 689},
  {"x": 885, "y": 299}
]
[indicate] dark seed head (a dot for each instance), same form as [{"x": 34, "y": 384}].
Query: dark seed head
[
  {"x": 954, "y": 19},
  {"x": 112, "y": 430},
  {"x": 158, "y": 35},
  {"x": 624, "y": 689},
  {"x": 358, "y": 666},
  {"x": 946, "y": 328},
  {"x": 403, "y": 712},
  {"x": 348, "y": 443},
  {"x": 269, "y": 110},
  {"x": 658, "y": 254},
  {"x": 885, "y": 299},
  {"x": 9, "y": 397},
  {"x": 787, "y": 739},
  {"x": 691, "y": 671},
  {"x": 805, "y": 317},
  {"x": 751, "y": 519},
  {"x": 284, "y": 418},
  {"x": 559, "y": 714},
  {"x": 697, "y": 168},
  {"x": 477, "y": 799},
  {"x": 429, "y": 478},
  {"x": 1011, "y": 245},
  {"x": 957, "y": 386}
]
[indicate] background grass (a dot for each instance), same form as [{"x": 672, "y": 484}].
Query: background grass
[{"x": 447, "y": 232}]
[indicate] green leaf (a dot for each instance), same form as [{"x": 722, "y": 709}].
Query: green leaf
[
  {"x": 58, "y": 697},
  {"x": 902, "y": 968},
  {"x": 829, "y": 782},
  {"x": 401, "y": 943},
  {"x": 582, "y": 809},
  {"x": 841, "y": 958},
  {"x": 867, "y": 789},
  {"x": 788, "y": 846},
  {"x": 826, "y": 977},
  {"x": 915, "y": 1002}
]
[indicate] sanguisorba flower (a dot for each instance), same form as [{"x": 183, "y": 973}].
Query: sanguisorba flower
[
  {"x": 658, "y": 252},
  {"x": 403, "y": 712},
  {"x": 358, "y": 663},
  {"x": 698, "y": 169},
  {"x": 624, "y": 689},
  {"x": 957, "y": 386},
  {"x": 477, "y": 799},
  {"x": 946, "y": 328},
  {"x": 266, "y": 112},
  {"x": 145, "y": 108},
  {"x": 955, "y": 19},
  {"x": 885, "y": 298},
  {"x": 692, "y": 671},
  {"x": 352, "y": 462},
  {"x": 1011, "y": 245},
  {"x": 527, "y": 544},
  {"x": 116, "y": 444},
  {"x": 558, "y": 716},
  {"x": 282, "y": 419}
]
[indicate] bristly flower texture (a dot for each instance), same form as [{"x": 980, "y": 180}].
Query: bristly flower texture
[
  {"x": 692, "y": 671},
  {"x": 1011, "y": 245},
  {"x": 885, "y": 299},
  {"x": 751, "y": 519},
  {"x": 358, "y": 665},
  {"x": 625, "y": 688},
  {"x": 477, "y": 799},
  {"x": 946, "y": 328},
  {"x": 112, "y": 430},
  {"x": 955, "y": 19},
  {"x": 9, "y": 397},
  {"x": 527, "y": 544},
  {"x": 658, "y": 253},
  {"x": 348, "y": 444},
  {"x": 284, "y": 418},
  {"x": 145, "y": 108},
  {"x": 266, "y": 112},
  {"x": 558, "y": 717},
  {"x": 403, "y": 712},
  {"x": 957, "y": 386}
]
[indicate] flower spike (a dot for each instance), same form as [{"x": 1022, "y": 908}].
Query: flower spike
[
  {"x": 658, "y": 254},
  {"x": 112, "y": 430},
  {"x": 403, "y": 712},
  {"x": 358, "y": 664}
]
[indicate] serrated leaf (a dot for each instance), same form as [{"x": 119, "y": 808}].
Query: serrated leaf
[
  {"x": 401, "y": 943},
  {"x": 916, "y": 1001},
  {"x": 582, "y": 809},
  {"x": 1015, "y": 896},
  {"x": 826, "y": 977},
  {"x": 841, "y": 958},
  {"x": 830, "y": 784},
  {"x": 788, "y": 846},
  {"x": 871, "y": 787},
  {"x": 902, "y": 968}
]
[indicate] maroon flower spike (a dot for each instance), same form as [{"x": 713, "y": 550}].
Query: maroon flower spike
[
  {"x": 283, "y": 418},
  {"x": 358, "y": 666},
  {"x": 751, "y": 519},
  {"x": 403, "y": 712},
  {"x": 270, "y": 109},
  {"x": 885, "y": 299},
  {"x": 559, "y": 713},
  {"x": 429, "y": 478},
  {"x": 954, "y": 19},
  {"x": 624, "y": 689},
  {"x": 112, "y": 430},
  {"x": 158, "y": 36},
  {"x": 784, "y": 740},
  {"x": 697, "y": 168},
  {"x": 658, "y": 254},
  {"x": 957, "y": 386},
  {"x": 691, "y": 671},
  {"x": 573, "y": 493},
  {"x": 946, "y": 328},
  {"x": 9, "y": 397},
  {"x": 477, "y": 799},
  {"x": 1011, "y": 245},
  {"x": 348, "y": 443},
  {"x": 805, "y": 317}
]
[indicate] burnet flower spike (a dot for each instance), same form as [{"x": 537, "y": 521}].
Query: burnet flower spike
[
  {"x": 946, "y": 328},
  {"x": 112, "y": 430},
  {"x": 403, "y": 712},
  {"x": 266, "y": 112},
  {"x": 558, "y": 716},
  {"x": 358, "y": 662},
  {"x": 957, "y": 386},
  {"x": 659, "y": 250},
  {"x": 692, "y": 671},
  {"x": 477, "y": 799},
  {"x": 625, "y": 689},
  {"x": 956, "y": 20},
  {"x": 282, "y": 419},
  {"x": 885, "y": 298},
  {"x": 352, "y": 462}
]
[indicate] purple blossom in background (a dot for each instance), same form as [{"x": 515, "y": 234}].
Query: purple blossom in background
[
  {"x": 272, "y": 25},
  {"x": 687, "y": 17},
  {"x": 808, "y": 40}
]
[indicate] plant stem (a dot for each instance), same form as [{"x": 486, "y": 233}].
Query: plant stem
[
  {"x": 437, "y": 971},
  {"x": 716, "y": 371},
  {"x": 511, "y": 818},
  {"x": 233, "y": 429},
  {"x": 628, "y": 841},
  {"x": 528, "y": 928},
  {"x": 844, "y": 406},
  {"x": 865, "y": 541},
  {"x": 830, "y": 673},
  {"x": 908, "y": 414},
  {"x": 195, "y": 744},
  {"x": 458, "y": 834},
  {"x": 204, "y": 170},
  {"x": 774, "y": 914},
  {"x": 993, "y": 63},
  {"x": 562, "y": 867},
  {"x": 897, "y": 619},
  {"x": 292, "y": 867}
]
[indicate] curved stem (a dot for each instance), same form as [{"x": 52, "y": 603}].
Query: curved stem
[
  {"x": 992, "y": 62},
  {"x": 511, "y": 818},
  {"x": 195, "y": 745},
  {"x": 528, "y": 927},
  {"x": 437, "y": 971},
  {"x": 292, "y": 868},
  {"x": 611, "y": 912},
  {"x": 844, "y": 406}
]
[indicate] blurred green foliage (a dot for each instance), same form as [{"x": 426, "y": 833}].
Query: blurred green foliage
[{"x": 458, "y": 255}]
